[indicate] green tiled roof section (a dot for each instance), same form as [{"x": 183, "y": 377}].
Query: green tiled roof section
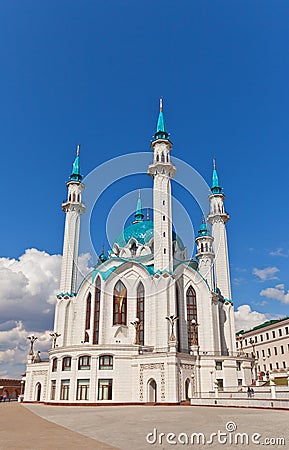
[{"x": 263, "y": 325}]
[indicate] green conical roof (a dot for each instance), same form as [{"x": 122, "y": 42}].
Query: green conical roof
[
  {"x": 161, "y": 130},
  {"x": 75, "y": 176},
  {"x": 216, "y": 188}
]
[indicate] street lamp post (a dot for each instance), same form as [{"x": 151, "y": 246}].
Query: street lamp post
[
  {"x": 55, "y": 336},
  {"x": 32, "y": 339},
  {"x": 137, "y": 325}
]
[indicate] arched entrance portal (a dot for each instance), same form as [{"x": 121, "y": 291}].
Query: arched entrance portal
[
  {"x": 188, "y": 389},
  {"x": 38, "y": 392},
  {"x": 152, "y": 391}
]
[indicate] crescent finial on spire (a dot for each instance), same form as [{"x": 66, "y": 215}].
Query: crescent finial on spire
[
  {"x": 161, "y": 104},
  {"x": 78, "y": 150}
]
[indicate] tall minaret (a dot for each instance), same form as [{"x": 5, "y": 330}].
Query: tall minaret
[
  {"x": 162, "y": 170},
  {"x": 218, "y": 218},
  {"x": 73, "y": 207}
]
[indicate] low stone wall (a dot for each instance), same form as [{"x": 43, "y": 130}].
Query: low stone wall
[{"x": 240, "y": 402}]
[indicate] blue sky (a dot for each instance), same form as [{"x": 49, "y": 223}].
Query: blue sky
[{"x": 92, "y": 73}]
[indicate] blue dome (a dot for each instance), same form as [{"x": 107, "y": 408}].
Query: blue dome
[{"x": 142, "y": 232}]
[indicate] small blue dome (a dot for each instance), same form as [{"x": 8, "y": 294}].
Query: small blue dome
[{"x": 142, "y": 232}]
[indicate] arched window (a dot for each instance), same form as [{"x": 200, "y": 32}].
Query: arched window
[
  {"x": 106, "y": 362},
  {"x": 119, "y": 304},
  {"x": 84, "y": 362},
  {"x": 96, "y": 311},
  {"x": 73, "y": 197},
  {"x": 88, "y": 312},
  {"x": 133, "y": 249},
  {"x": 192, "y": 315},
  {"x": 163, "y": 158},
  {"x": 54, "y": 365},
  {"x": 140, "y": 311},
  {"x": 66, "y": 363}
]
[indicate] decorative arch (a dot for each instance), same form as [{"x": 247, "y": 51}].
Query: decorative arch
[
  {"x": 192, "y": 315},
  {"x": 188, "y": 389},
  {"x": 140, "y": 310},
  {"x": 38, "y": 392},
  {"x": 95, "y": 339},
  {"x": 152, "y": 391},
  {"x": 119, "y": 304}
]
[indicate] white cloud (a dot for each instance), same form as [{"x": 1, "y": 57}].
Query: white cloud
[
  {"x": 277, "y": 293},
  {"x": 245, "y": 318},
  {"x": 14, "y": 347},
  {"x": 279, "y": 252},
  {"x": 266, "y": 274},
  {"x": 28, "y": 288}
]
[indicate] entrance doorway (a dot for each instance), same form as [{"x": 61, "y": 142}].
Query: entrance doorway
[
  {"x": 152, "y": 391},
  {"x": 38, "y": 392}
]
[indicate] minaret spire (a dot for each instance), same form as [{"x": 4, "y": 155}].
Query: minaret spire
[
  {"x": 139, "y": 214},
  {"x": 216, "y": 188},
  {"x": 76, "y": 176},
  {"x": 161, "y": 129}
]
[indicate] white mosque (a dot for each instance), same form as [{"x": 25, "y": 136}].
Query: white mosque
[{"x": 147, "y": 325}]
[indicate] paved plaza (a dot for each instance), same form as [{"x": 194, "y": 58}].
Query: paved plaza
[{"x": 126, "y": 427}]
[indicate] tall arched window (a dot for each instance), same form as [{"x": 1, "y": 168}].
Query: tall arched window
[
  {"x": 119, "y": 304},
  {"x": 192, "y": 315},
  {"x": 96, "y": 311},
  {"x": 88, "y": 312},
  {"x": 140, "y": 312}
]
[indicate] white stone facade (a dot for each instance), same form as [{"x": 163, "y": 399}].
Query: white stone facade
[
  {"x": 269, "y": 343},
  {"x": 116, "y": 342}
]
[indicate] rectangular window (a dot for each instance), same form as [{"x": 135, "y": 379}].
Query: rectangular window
[
  {"x": 165, "y": 251},
  {"x": 105, "y": 389},
  {"x": 84, "y": 363},
  {"x": 256, "y": 338},
  {"x": 282, "y": 350},
  {"x": 219, "y": 365},
  {"x": 106, "y": 362},
  {"x": 267, "y": 336},
  {"x": 271, "y": 366},
  {"x": 263, "y": 353},
  {"x": 264, "y": 367},
  {"x": 257, "y": 352},
  {"x": 240, "y": 382},
  {"x": 246, "y": 342},
  {"x": 275, "y": 351},
  {"x": 261, "y": 337},
  {"x": 53, "y": 390},
  {"x": 164, "y": 217},
  {"x": 284, "y": 365},
  {"x": 277, "y": 365},
  {"x": 64, "y": 392},
  {"x": 238, "y": 365},
  {"x": 280, "y": 332},
  {"x": 66, "y": 363},
  {"x": 286, "y": 330},
  {"x": 273, "y": 334},
  {"x": 269, "y": 352},
  {"x": 82, "y": 389}
]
